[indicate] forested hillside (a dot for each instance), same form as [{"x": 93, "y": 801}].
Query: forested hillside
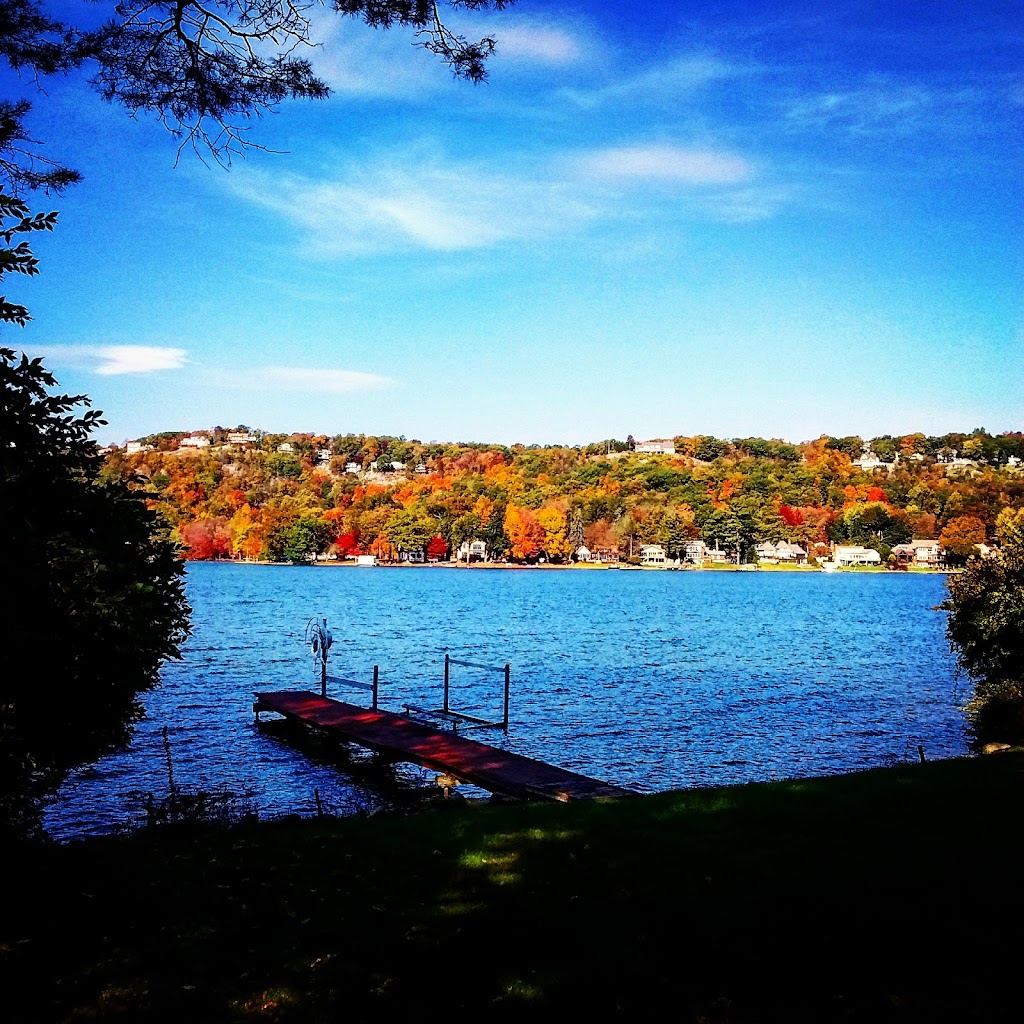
[{"x": 293, "y": 497}]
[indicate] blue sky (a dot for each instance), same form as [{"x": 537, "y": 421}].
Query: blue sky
[{"x": 655, "y": 219}]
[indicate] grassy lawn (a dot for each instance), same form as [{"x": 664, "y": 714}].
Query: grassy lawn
[{"x": 892, "y": 895}]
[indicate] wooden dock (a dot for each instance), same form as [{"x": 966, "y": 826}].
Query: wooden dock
[{"x": 403, "y": 739}]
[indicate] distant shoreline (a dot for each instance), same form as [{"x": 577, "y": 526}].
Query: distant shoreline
[{"x": 583, "y": 567}]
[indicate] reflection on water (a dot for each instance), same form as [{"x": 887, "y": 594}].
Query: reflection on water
[{"x": 652, "y": 680}]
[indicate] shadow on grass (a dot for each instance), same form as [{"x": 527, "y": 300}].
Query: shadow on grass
[{"x": 888, "y": 895}]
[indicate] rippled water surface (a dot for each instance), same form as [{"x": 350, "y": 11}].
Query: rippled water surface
[{"x": 652, "y": 680}]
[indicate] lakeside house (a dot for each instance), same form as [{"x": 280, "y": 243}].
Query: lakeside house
[
  {"x": 655, "y": 447},
  {"x": 926, "y": 554},
  {"x": 783, "y": 553},
  {"x": 653, "y": 555},
  {"x": 696, "y": 551},
  {"x": 583, "y": 554},
  {"x": 472, "y": 551},
  {"x": 855, "y": 554}
]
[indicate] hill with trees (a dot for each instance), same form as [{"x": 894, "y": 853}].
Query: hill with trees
[{"x": 294, "y": 497}]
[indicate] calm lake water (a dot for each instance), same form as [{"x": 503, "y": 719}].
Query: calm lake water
[{"x": 651, "y": 680}]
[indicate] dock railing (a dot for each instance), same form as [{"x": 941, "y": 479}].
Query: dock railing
[
  {"x": 455, "y": 718},
  {"x": 373, "y": 687}
]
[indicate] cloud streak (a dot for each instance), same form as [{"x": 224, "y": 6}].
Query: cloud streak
[
  {"x": 409, "y": 204},
  {"x": 312, "y": 380},
  {"x": 395, "y": 206},
  {"x": 118, "y": 360},
  {"x": 669, "y": 164}
]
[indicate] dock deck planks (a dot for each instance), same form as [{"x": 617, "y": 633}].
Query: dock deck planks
[{"x": 493, "y": 769}]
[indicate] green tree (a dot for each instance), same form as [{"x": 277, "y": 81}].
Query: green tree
[
  {"x": 98, "y": 598},
  {"x": 411, "y": 530},
  {"x": 986, "y": 632},
  {"x": 306, "y": 538}
]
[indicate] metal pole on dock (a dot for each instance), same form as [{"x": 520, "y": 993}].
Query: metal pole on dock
[
  {"x": 376, "y": 679},
  {"x": 508, "y": 673},
  {"x": 323, "y": 662},
  {"x": 446, "y": 682}
]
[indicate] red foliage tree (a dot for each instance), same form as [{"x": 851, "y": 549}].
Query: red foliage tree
[
  {"x": 437, "y": 550},
  {"x": 348, "y": 543},
  {"x": 205, "y": 539},
  {"x": 793, "y": 516}
]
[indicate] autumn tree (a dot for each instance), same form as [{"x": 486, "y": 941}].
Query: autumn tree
[
  {"x": 556, "y": 544},
  {"x": 960, "y": 539},
  {"x": 525, "y": 534}
]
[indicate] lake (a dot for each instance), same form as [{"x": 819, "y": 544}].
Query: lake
[{"x": 650, "y": 680}]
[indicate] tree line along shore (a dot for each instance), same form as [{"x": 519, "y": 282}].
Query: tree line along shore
[{"x": 295, "y": 497}]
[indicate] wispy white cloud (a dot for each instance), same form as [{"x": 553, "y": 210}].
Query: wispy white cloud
[
  {"x": 537, "y": 43},
  {"x": 421, "y": 205},
  {"x": 311, "y": 380},
  {"x": 116, "y": 360},
  {"x": 669, "y": 164},
  {"x": 359, "y": 61},
  {"x": 886, "y": 108},
  {"x": 419, "y": 200},
  {"x": 661, "y": 82}
]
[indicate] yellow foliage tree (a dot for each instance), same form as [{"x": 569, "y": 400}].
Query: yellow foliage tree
[{"x": 556, "y": 541}]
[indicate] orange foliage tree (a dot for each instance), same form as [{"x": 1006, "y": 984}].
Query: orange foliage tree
[{"x": 525, "y": 534}]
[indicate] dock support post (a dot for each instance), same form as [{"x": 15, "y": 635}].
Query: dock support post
[
  {"x": 508, "y": 673},
  {"x": 446, "y": 682},
  {"x": 323, "y": 664},
  {"x": 376, "y": 679}
]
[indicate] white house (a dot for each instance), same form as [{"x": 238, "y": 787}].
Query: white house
[
  {"x": 652, "y": 554},
  {"x": 855, "y": 554},
  {"x": 240, "y": 437},
  {"x": 135, "y": 447},
  {"x": 286, "y": 448},
  {"x": 656, "y": 447},
  {"x": 366, "y": 559},
  {"x": 783, "y": 552},
  {"x": 869, "y": 462},
  {"x": 791, "y": 553},
  {"x": 323, "y": 454},
  {"x": 583, "y": 554},
  {"x": 696, "y": 551},
  {"x": 472, "y": 550},
  {"x": 352, "y": 467},
  {"x": 194, "y": 441}
]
